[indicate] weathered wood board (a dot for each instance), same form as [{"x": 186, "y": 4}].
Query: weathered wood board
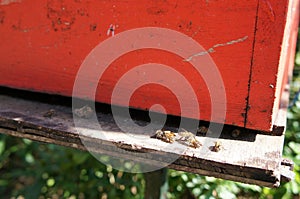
[
  {"x": 250, "y": 158},
  {"x": 43, "y": 46}
]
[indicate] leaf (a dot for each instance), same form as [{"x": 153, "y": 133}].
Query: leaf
[
  {"x": 294, "y": 187},
  {"x": 190, "y": 185},
  {"x": 50, "y": 182},
  {"x": 184, "y": 177},
  {"x": 29, "y": 158},
  {"x": 2, "y": 146},
  {"x": 196, "y": 191},
  {"x": 295, "y": 147},
  {"x": 80, "y": 158},
  {"x": 225, "y": 193}
]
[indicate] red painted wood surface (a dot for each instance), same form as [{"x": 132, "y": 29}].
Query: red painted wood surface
[
  {"x": 43, "y": 46},
  {"x": 275, "y": 41}
]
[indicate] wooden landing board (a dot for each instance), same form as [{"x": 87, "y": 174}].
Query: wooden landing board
[{"x": 252, "y": 158}]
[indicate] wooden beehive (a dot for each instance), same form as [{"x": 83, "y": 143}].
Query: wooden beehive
[{"x": 44, "y": 43}]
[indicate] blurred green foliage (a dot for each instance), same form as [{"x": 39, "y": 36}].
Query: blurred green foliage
[{"x": 36, "y": 170}]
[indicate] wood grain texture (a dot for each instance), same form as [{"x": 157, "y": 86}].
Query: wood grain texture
[
  {"x": 275, "y": 40},
  {"x": 243, "y": 160},
  {"x": 42, "y": 47}
]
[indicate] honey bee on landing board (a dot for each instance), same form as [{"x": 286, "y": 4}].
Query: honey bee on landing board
[
  {"x": 217, "y": 147},
  {"x": 189, "y": 139},
  {"x": 166, "y": 136}
]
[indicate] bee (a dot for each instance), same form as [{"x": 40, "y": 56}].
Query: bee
[
  {"x": 50, "y": 113},
  {"x": 217, "y": 147},
  {"x": 189, "y": 139},
  {"x": 166, "y": 136},
  {"x": 235, "y": 133},
  {"x": 202, "y": 130},
  {"x": 84, "y": 112}
]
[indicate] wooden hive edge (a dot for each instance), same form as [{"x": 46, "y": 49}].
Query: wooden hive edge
[{"x": 241, "y": 160}]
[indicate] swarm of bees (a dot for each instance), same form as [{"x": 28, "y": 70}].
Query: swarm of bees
[{"x": 185, "y": 137}]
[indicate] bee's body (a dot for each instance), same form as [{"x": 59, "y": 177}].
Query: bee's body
[
  {"x": 189, "y": 138},
  {"x": 217, "y": 147},
  {"x": 166, "y": 136}
]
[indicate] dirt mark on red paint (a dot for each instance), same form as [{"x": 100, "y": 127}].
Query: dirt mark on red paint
[
  {"x": 2, "y": 16},
  {"x": 61, "y": 16}
]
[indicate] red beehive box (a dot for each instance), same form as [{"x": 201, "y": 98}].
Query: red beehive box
[{"x": 45, "y": 44}]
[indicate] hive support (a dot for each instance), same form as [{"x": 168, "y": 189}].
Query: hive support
[{"x": 156, "y": 184}]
